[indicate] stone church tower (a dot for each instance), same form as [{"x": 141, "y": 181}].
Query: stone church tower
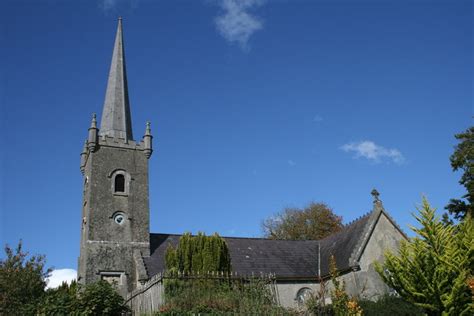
[{"x": 115, "y": 211}]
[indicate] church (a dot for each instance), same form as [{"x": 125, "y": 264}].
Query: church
[{"x": 117, "y": 245}]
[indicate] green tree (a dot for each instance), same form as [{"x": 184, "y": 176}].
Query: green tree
[
  {"x": 463, "y": 159},
  {"x": 315, "y": 221},
  {"x": 199, "y": 253},
  {"x": 433, "y": 269},
  {"x": 22, "y": 281}
]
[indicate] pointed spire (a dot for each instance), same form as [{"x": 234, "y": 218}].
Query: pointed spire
[{"x": 116, "y": 119}]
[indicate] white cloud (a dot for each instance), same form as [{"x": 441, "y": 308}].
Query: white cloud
[
  {"x": 371, "y": 151},
  {"x": 317, "y": 119},
  {"x": 236, "y": 24},
  {"x": 109, "y": 5},
  {"x": 59, "y": 276}
]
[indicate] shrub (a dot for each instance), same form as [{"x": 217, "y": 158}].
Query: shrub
[
  {"x": 389, "y": 305},
  {"x": 221, "y": 295},
  {"x": 98, "y": 298}
]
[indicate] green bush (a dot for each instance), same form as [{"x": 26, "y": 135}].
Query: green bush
[
  {"x": 389, "y": 305},
  {"x": 59, "y": 301},
  {"x": 98, "y": 298},
  {"x": 22, "y": 290},
  {"x": 210, "y": 295}
]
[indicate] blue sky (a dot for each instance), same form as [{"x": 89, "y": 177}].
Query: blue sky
[{"x": 255, "y": 106}]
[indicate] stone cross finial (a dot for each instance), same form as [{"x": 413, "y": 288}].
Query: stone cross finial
[{"x": 376, "y": 195}]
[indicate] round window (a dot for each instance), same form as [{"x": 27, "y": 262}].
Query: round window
[
  {"x": 303, "y": 295},
  {"x": 119, "y": 218}
]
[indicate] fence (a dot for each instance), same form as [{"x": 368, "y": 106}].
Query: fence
[{"x": 217, "y": 290}]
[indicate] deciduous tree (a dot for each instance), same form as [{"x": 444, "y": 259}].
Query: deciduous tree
[
  {"x": 22, "y": 281},
  {"x": 315, "y": 221}
]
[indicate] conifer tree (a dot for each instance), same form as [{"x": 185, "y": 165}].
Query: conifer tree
[
  {"x": 198, "y": 254},
  {"x": 433, "y": 270},
  {"x": 463, "y": 160}
]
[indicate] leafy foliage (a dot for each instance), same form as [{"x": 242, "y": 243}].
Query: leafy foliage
[
  {"x": 98, "y": 298},
  {"x": 315, "y": 221},
  {"x": 221, "y": 295},
  {"x": 463, "y": 159},
  {"x": 22, "y": 281},
  {"x": 59, "y": 301},
  {"x": 316, "y": 303},
  {"x": 433, "y": 269},
  {"x": 22, "y": 290},
  {"x": 342, "y": 304},
  {"x": 390, "y": 305}
]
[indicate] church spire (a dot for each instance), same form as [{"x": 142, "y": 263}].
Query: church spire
[{"x": 116, "y": 119}]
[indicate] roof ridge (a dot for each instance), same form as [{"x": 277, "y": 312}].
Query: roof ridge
[
  {"x": 357, "y": 219},
  {"x": 254, "y": 238}
]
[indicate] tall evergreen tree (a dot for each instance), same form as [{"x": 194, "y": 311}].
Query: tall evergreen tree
[
  {"x": 433, "y": 270},
  {"x": 198, "y": 254},
  {"x": 463, "y": 159}
]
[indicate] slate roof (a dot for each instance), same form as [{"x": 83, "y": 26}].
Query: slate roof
[{"x": 287, "y": 259}]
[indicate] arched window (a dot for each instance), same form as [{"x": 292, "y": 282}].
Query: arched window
[
  {"x": 303, "y": 295},
  {"x": 119, "y": 183}
]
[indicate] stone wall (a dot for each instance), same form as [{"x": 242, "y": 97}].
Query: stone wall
[
  {"x": 115, "y": 224},
  {"x": 367, "y": 283}
]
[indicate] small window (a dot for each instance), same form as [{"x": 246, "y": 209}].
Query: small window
[
  {"x": 119, "y": 218},
  {"x": 114, "y": 278},
  {"x": 119, "y": 183}
]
